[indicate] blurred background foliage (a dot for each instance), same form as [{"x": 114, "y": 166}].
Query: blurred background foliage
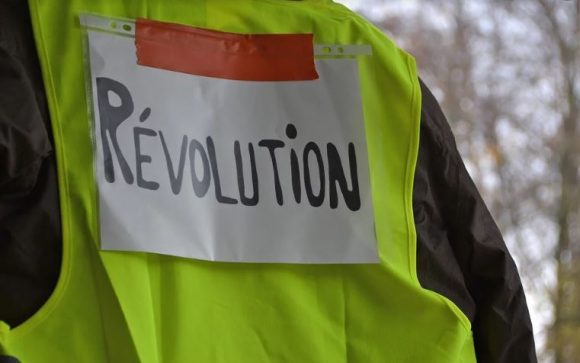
[{"x": 507, "y": 75}]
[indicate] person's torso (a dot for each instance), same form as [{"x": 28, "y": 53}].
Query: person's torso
[{"x": 217, "y": 218}]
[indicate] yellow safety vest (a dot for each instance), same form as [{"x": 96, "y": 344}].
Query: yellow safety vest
[{"x": 148, "y": 307}]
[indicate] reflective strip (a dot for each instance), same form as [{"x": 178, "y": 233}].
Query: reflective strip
[
  {"x": 126, "y": 27},
  {"x": 113, "y": 25},
  {"x": 342, "y": 50}
]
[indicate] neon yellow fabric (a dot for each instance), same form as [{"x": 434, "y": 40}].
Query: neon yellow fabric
[{"x": 136, "y": 307}]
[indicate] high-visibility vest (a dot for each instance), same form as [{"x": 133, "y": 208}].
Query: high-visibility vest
[{"x": 123, "y": 306}]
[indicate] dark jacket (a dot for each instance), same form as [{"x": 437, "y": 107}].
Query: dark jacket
[{"x": 460, "y": 252}]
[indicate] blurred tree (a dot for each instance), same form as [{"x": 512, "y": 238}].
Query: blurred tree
[{"x": 561, "y": 28}]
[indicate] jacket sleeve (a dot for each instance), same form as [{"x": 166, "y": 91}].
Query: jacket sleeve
[
  {"x": 30, "y": 237},
  {"x": 461, "y": 253}
]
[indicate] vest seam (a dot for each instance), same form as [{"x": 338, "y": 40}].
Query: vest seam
[
  {"x": 415, "y": 114},
  {"x": 412, "y": 153}
]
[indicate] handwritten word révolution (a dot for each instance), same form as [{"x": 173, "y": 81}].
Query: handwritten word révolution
[{"x": 331, "y": 173}]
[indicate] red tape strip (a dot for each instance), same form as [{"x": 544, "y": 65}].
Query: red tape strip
[{"x": 245, "y": 57}]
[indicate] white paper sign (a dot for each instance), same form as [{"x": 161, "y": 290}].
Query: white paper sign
[{"x": 226, "y": 170}]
